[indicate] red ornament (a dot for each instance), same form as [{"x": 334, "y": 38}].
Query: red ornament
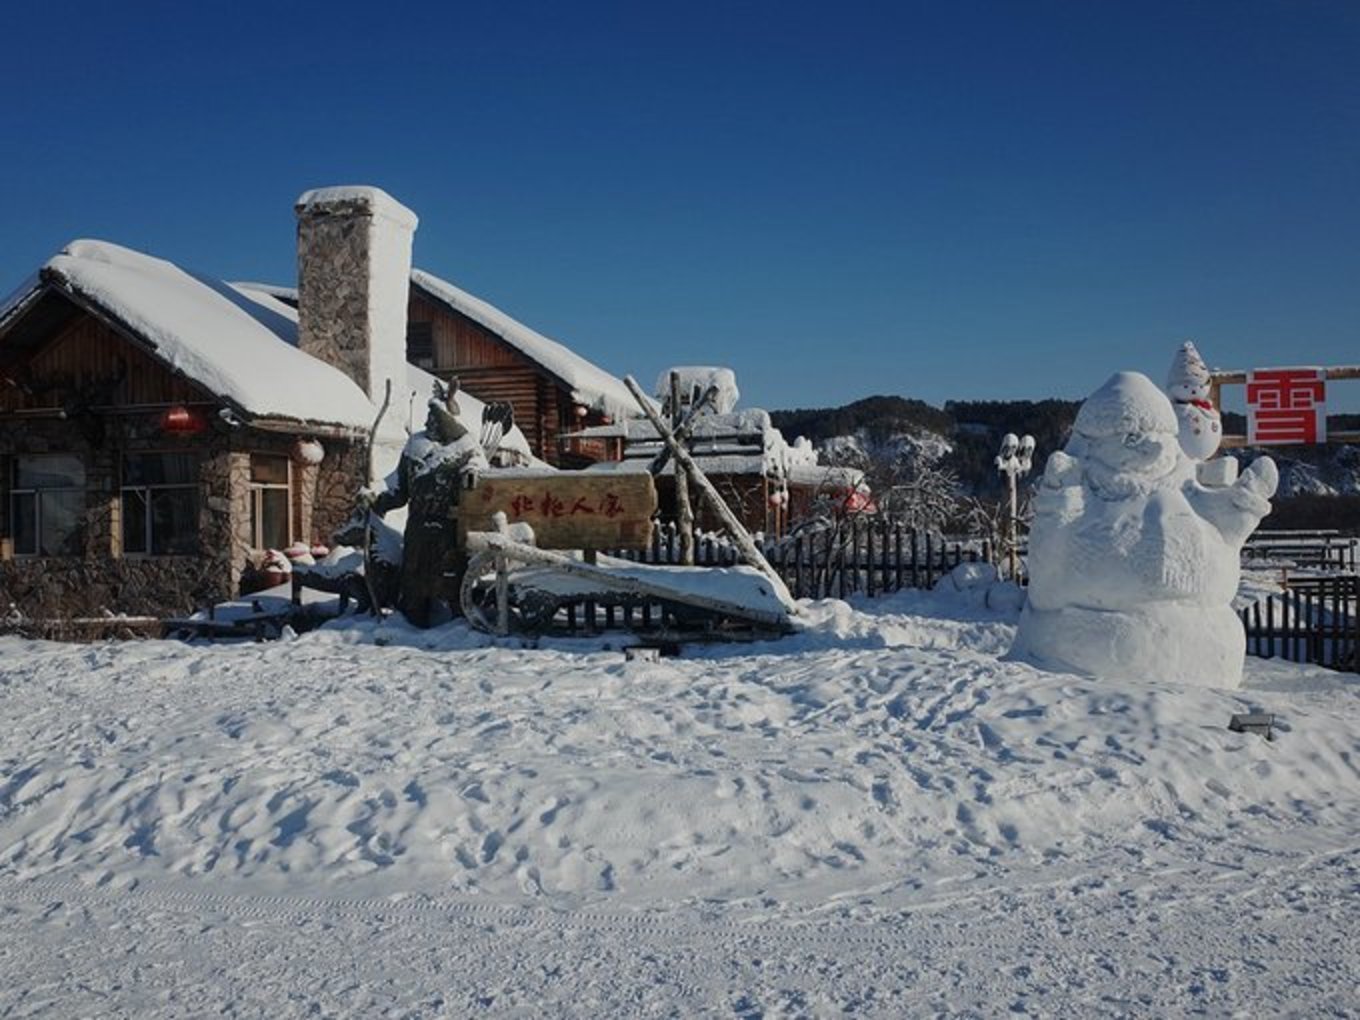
[{"x": 181, "y": 421}]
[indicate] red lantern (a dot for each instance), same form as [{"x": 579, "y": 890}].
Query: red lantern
[{"x": 180, "y": 421}]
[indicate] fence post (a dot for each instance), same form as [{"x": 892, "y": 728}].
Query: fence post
[
  {"x": 1355, "y": 627},
  {"x": 840, "y": 561},
  {"x": 869, "y": 554},
  {"x": 1270, "y": 624}
]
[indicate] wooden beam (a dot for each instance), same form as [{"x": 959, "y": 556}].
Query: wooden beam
[
  {"x": 1239, "y": 442},
  {"x": 1237, "y": 377},
  {"x": 750, "y": 552}
]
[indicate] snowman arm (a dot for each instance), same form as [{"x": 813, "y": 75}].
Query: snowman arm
[
  {"x": 1062, "y": 471},
  {"x": 1060, "y": 489},
  {"x": 1236, "y": 510}
]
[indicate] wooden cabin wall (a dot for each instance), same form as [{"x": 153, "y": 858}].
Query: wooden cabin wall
[
  {"x": 78, "y": 364},
  {"x": 88, "y": 355},
  {"x": 492, "y": 370}
]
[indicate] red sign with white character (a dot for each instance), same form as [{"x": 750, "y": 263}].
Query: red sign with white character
[{"x": 1286, "y": 405}]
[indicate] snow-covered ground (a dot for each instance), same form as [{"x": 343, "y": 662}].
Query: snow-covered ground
[{"x": 879, "y": 816}]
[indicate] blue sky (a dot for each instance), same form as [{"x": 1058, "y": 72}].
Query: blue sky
[{"x": 968, "y": 200}]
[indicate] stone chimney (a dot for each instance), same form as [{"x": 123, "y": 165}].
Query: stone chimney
[{"x": 354, "y": 274}]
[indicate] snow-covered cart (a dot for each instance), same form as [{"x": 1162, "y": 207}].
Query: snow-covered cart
[
  {"x": 521, "y": 578},
  {"x": 514, "y": 587}
]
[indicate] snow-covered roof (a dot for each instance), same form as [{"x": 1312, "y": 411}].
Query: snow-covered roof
[
  {"x": 736, "y": 443},
  {"x": 589, "y": 384},
  {"x": 750, "y": 422},
  {"x": 694, "y": 382},
  {"x": 18, "y": 297},
  {"x": 238, "y": 343}
]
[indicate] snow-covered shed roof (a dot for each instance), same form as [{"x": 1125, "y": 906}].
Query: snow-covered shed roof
[
  {"x": 695, "y": 380},
  {"x": 237, "y": 343},
  {"x": 741, "y": 442},
  {"x": 588, "y": 383}
]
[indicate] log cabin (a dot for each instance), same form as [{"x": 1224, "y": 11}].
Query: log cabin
[{"x": 161, "y": 429}]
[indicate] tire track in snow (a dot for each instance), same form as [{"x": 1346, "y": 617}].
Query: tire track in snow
[{"x": 1196, "y": 882}]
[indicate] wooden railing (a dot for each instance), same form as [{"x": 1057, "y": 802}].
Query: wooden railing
[
  {"x": 868, "y": 556},
  {"x": 1317, "y": 620}
]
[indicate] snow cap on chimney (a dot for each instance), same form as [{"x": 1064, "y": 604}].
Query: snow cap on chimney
[{"x": 354, "y": 272}]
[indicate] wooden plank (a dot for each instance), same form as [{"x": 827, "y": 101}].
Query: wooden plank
[
  {"x": 1238, "y": 377},
  {"x": 567, "y": 510}
]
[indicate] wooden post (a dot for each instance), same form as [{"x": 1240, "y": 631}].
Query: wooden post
[
  {"x": 502, "y": 595},
  {"x": 748, "y": 548},
  {"x": 592, "y": 557},
  {"x": 684, "y": 511},
  {"x": 870, "y": 587}
]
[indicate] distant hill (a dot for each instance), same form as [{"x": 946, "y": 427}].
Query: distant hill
[
  {"x": 878, "y": 417},
  {"x": 964, "y": 436}
]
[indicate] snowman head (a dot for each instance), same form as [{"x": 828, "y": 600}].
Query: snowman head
[
  {"x": 1188, "y": 378},
  {"x": 1126, "y": 437}
]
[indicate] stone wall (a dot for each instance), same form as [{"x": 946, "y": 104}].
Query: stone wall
[
  {"x": 103, "y": 578},
  {"x": 338, "y": 480}
]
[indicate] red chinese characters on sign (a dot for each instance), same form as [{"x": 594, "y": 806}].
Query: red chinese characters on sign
[
  {"x": 551, "y": 505},
  {"x": 1286, "y": 405}
]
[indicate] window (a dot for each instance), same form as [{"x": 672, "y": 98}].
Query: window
[
  {"x": 160, "y": 504},
  {"x": 271, "y": 502},
  {"x": 47, "y": 505}
]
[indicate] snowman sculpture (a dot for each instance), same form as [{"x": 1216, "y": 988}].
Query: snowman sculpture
[
  {"x": 1201, "y": 426},
  {"x": 1133, "y": 563}
]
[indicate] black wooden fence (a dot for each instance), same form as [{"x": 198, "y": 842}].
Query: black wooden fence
[
  {"x": 866, "y": 556},
  {"x": 1317, "y": 620}
]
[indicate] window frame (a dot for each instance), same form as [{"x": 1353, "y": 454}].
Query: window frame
[
  {"x": 36, "y": 493},
  {"x": 196, "y": 487},
  {"x": 257, "y": 491}
]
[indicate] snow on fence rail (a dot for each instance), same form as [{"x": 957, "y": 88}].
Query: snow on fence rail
[
  {"x": 1316, "y": 621},
  {"x": 1325, "y": 550},
  {"x": 862, "y": 556}
]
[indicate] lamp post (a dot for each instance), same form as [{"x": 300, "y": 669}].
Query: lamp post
[{"x": 1015, "y": 459}]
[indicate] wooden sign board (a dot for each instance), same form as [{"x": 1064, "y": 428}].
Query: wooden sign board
[
  {"x": 567, "y": 509},
  {"x": 1284, "y": 406}
]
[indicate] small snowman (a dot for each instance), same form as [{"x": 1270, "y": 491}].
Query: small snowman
[{"x": 1201, "y": 426}]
